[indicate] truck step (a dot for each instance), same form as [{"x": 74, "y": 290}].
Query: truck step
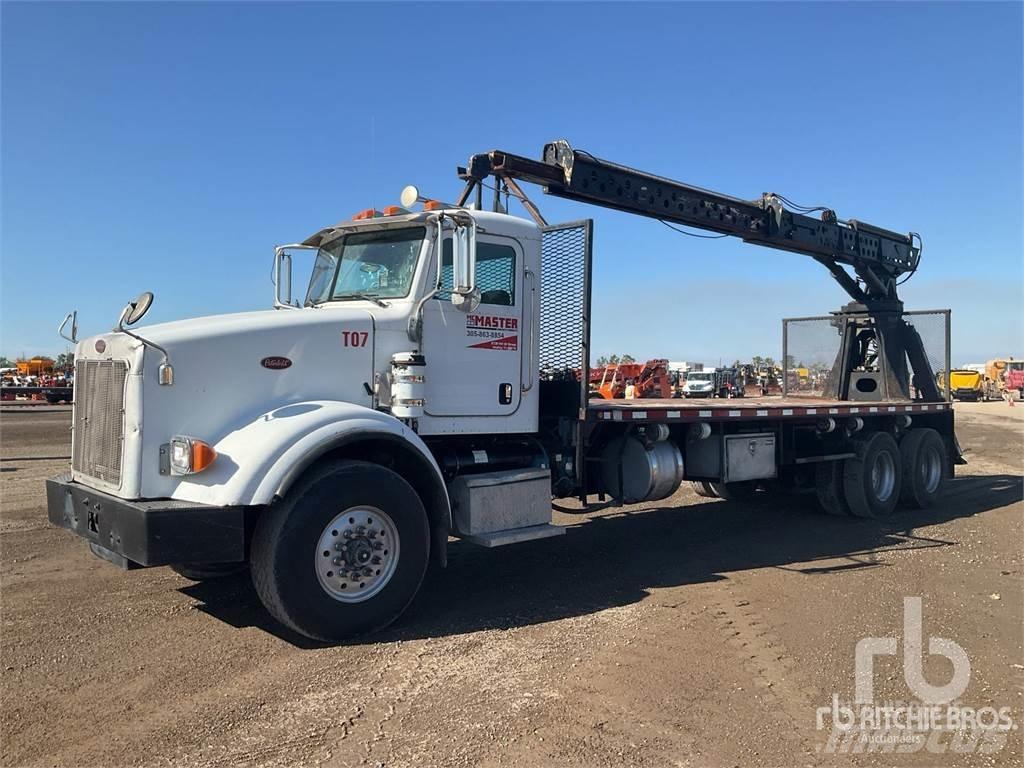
[{"x": 514, "y": 535}]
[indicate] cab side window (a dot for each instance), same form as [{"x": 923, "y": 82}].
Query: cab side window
[{"x": 495, "y": 273}]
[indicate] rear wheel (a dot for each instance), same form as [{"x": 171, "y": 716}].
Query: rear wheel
[
  {"x": 872, "y": 480},
  {"x": 745, "y": 490},
  {"x": 344, "y": 554},
  {"x": 923, "y": 455},
  {"x": 206, "y": 571},
  {"x": 828, "y": 484},
  {"x": 703, "y": 488}
]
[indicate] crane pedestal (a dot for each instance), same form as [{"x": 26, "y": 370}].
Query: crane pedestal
[{"x": 881, "y": 356}]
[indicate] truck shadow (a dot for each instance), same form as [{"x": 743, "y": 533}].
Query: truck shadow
[{"x": 612, "y": 558}]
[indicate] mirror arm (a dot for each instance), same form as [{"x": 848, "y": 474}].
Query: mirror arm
[
  {"x": 165, "y": 375},
  {"x": 415, "y": 329},
  {"x": 73, "y": 317}
]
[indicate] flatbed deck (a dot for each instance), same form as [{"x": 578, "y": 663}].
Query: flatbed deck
[{"x": 716, "y": 409}]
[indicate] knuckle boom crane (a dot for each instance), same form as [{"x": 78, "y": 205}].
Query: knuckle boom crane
[{"x": 874, "y": 334}]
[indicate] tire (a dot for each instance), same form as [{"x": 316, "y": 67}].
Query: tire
[
  {"x": 207, "y": 571},
  {"x": 872, "y": 481},
  {"x": 828, "y": 485},
  {"x": 925, "y": 467},
  {"x": 739, "y": 491},
  {"x": 362, "y": 508},
  {"x": 703, "y": 488}
]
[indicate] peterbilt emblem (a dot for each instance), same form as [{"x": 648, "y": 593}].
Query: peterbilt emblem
[
  {"x": 276, "y": 363},
  {"x": 101, "y": 346}
]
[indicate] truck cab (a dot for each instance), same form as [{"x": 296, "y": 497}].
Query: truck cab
[
  {"x": 479, "y": 372},
  {"x": 414, "y": 328},
  {"x": 374, "y": 293}
]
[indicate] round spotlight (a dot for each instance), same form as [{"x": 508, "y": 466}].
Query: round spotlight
[{"x": 410, "y": 195}]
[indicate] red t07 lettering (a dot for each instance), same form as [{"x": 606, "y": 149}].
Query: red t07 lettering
[{"x": 354, "y": 338}]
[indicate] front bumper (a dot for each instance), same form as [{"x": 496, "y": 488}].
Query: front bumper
[{"x": 146, "y": 533}]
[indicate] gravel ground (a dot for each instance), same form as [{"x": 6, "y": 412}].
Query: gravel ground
[{"x": 690, "y": 633}]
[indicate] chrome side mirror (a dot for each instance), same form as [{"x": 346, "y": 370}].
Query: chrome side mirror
[
  {"x": 135, "y": 310},
  {"x": 465, "y": 294},
  {"x": 282, "y": 278}
]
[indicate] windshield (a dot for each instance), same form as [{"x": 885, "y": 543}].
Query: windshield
[
  {"x": 698, "y": 377},
  {"x": 377, "y": 264}
]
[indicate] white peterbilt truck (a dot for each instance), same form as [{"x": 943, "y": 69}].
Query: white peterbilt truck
[{"x": 432, "y": 383}]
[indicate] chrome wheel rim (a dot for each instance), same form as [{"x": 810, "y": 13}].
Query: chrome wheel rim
[
  {"x": 883, "y": 476},
  {"x": 357, "y": 554},
  {"x": 931, "y": 470}
]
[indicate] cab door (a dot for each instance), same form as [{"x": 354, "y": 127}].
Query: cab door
[{"x": 474, "y": 359}]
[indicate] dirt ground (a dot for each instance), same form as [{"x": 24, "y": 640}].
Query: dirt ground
[{"x": 690, "y": 632}]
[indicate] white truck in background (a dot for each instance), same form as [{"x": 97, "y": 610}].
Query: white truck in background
[
  {"x": 702, "y": 383},
  {"x": 432, "y": 382}
]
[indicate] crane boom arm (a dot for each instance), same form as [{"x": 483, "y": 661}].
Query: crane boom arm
[{"x": 878, "y": 256}]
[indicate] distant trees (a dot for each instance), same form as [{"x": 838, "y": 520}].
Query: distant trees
[
  {"x": 5, "y": 363},
  {"x": 65, "y": 361},
  {"x": 761, "y": 363},
  {"x": 603, "y": 360}
]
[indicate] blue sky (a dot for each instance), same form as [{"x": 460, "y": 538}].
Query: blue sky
[{"x": 168, "y": 147}]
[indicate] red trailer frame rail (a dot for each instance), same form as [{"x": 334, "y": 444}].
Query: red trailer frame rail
[{"x": 651, "y": 410}]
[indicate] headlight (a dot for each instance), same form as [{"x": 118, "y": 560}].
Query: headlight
[{"x": 189, "y": 455}]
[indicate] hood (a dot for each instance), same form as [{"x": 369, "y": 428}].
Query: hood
[
  {"x": 965, "y": 378},
  {"x": 267, "y": 356},
  {"x": 230, "y": 369},
  {"x": 272, "y": 321}
]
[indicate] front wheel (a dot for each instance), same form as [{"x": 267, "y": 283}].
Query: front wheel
[{"x": 344, "y": 554}]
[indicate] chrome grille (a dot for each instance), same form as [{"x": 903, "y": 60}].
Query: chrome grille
[{"x": 99, "y": 419}]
